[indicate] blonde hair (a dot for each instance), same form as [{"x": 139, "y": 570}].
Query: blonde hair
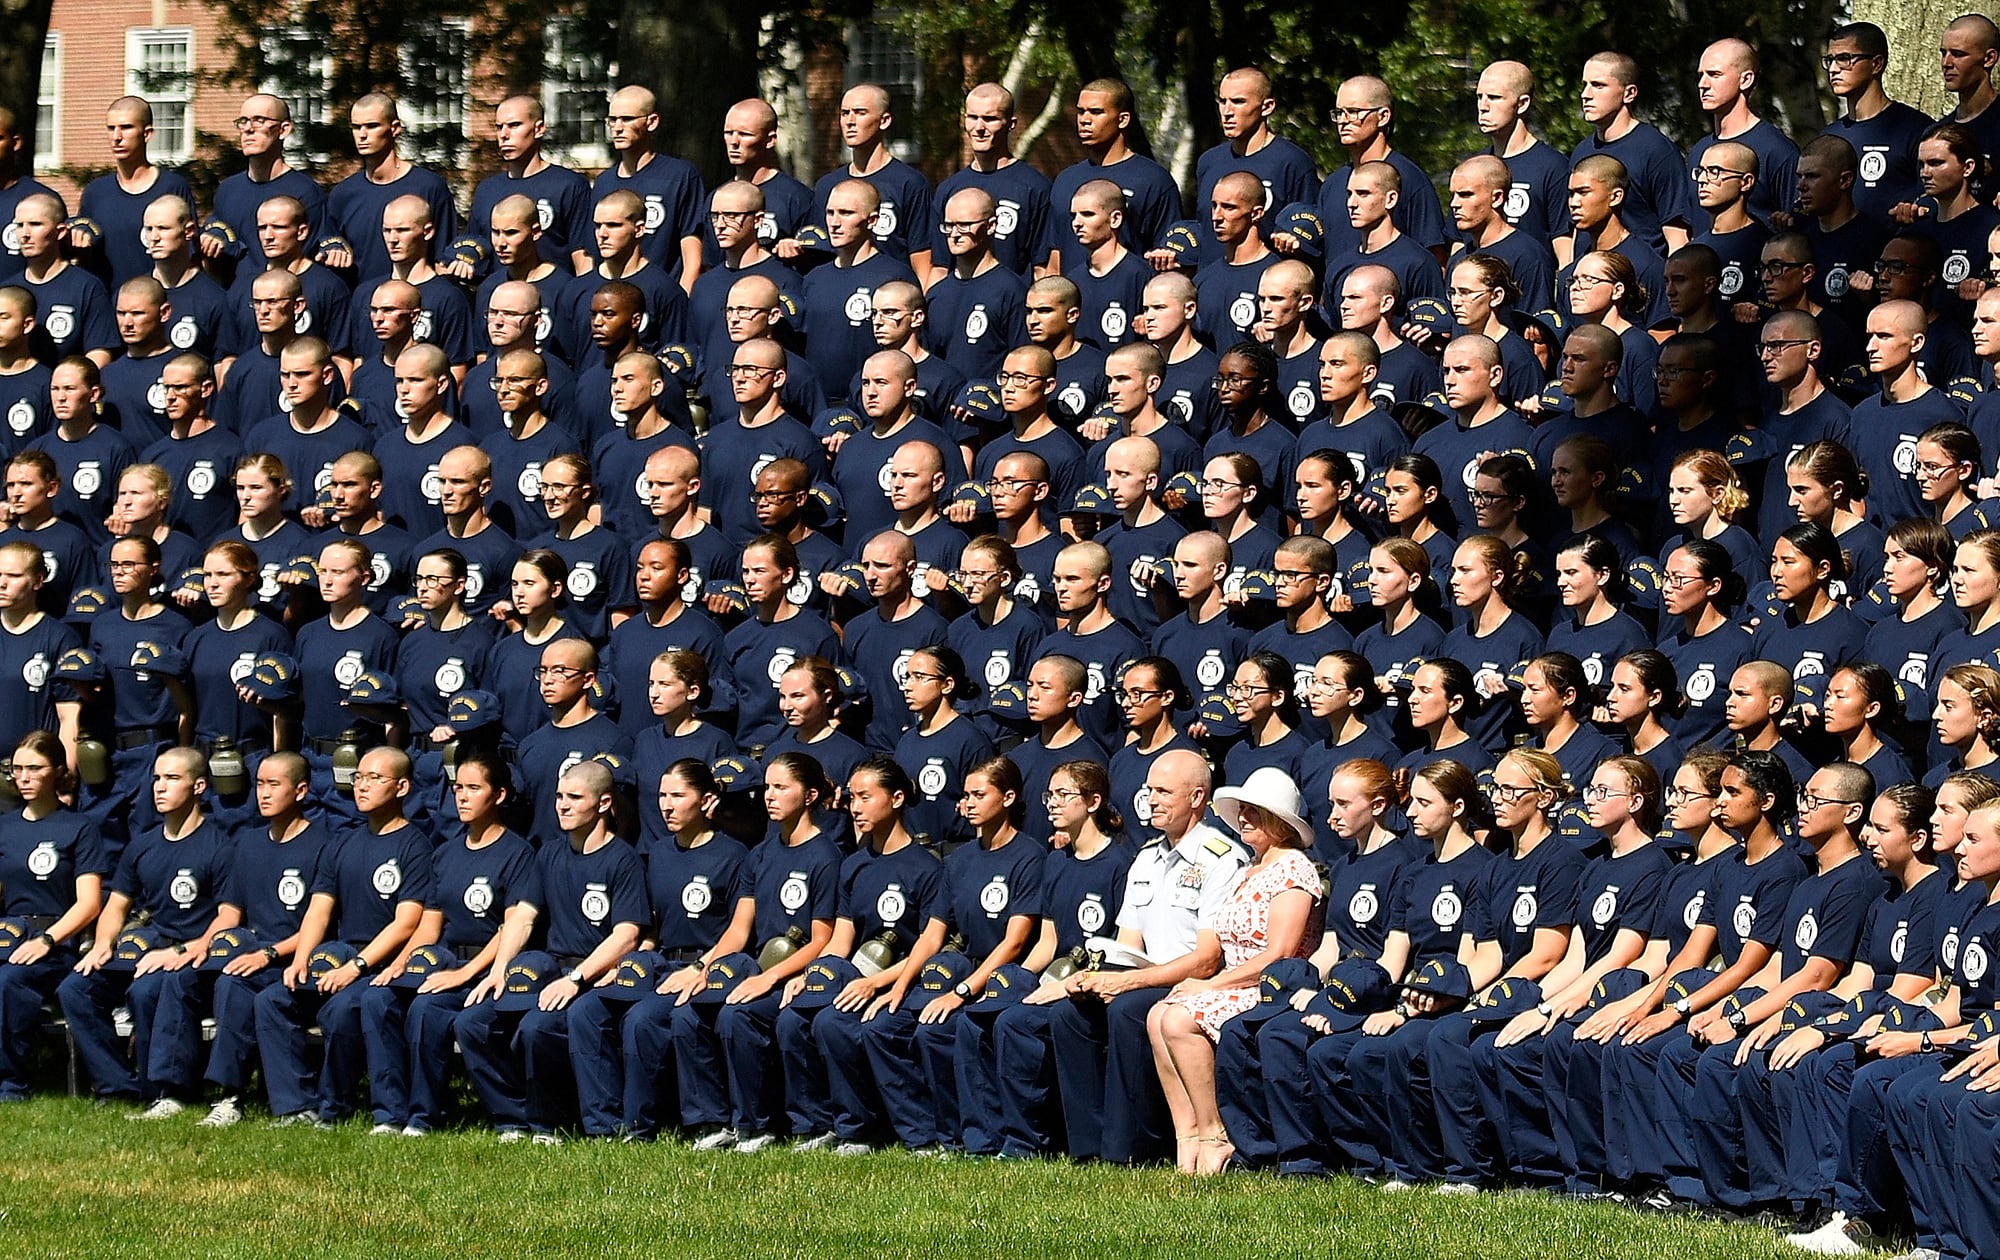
[
  {"x": 1981, "y": 684},
  {"x": 1714, "y": 471},
  {"x": 1542, "y": 769}
]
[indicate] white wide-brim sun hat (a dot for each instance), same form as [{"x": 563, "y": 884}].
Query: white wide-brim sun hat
[{"x": 1271, "y": 790}]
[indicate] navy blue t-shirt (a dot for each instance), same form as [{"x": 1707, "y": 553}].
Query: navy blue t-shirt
[
  {"x": 794, "y": 885},
  {"x": 581, "y": 897},
  {"x": 1081, "y": 896},
  {"x": 694, "y": 891},
  {"x": 272, "y": 881},
  {"x": 41, "y": 860},
  {"x": 178, "y": 884},
  {"x": 1526, "y": 894},
  {"x": 1361, "y": 891},
  {"x": 369, "y": 875},
  {"x": 897, "y": 892},
  {"x": 985, "y": 888},
  {"x": 474, "y": 887},
  {"x": 1747, "y": 901},
  {"x": 1432, "y": 903}
]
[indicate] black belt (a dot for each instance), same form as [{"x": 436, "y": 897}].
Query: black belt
[
  {"x": 36, "y": 923},
  {"x": 424, "y": 743},
  {"x": 681, "y": 957},
  {"x": 144, "y": 736},
  {"x": 324, "y": 747},
  {"x": 570, "y": 962}
]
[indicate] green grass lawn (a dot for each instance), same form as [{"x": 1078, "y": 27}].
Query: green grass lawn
[{"x": 77, "y": 1180}]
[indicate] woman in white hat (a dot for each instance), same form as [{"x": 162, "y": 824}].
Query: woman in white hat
[{"x": 1271, "y": 915}]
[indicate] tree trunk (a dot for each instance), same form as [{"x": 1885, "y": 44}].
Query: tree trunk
[
  {"x": 1914, "y": 27},
  {"x": 699, "y": 57},
  {"x": 24, "y": 27}
]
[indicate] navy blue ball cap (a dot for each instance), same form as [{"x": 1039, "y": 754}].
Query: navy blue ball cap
[
  {"x": 422, "y": 962},
  {"x": 824, "y": 979},
  {"x": 1443, "y": 977},
  {"x": 1275, "y": 987},
  {"x": 133, "y": 944},
  {"x": 1004, "y": 988},
  {"x": 531, "y": 971},
  {"x": 944, "y": 971},
  {"x": 724, "y": 974},
  {"x": 472, "y": 710},
  {"x": 230, "y": 943},
  {"x": 1614, "y": 985},
  {"x": 273, "y": 678},
  {"x": 1504, "y": 1000},
  {"x": 638, "y": 976},
  {"x": 329, "y": 955}
]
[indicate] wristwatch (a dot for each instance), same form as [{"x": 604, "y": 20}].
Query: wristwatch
[
  {"x": 360, "y": 964},
  {"x": 46, "y": 938},
  {"x": 1682, "y": 1006},
  {"x": 1737, "y": 1019},
  {"x": 270, "y": 953},
  {"x": 962, "y": 991},
  {"x": 1924, "y": 1042},
  {"x": 1544, "y": 1010},
  {"x": 1403, "y": 1009},
  {"x": 575, "y": 976}
]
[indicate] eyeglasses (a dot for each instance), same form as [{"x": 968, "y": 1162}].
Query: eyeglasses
[
  {"x": 1579, "y": 280},
  {"x": 1019, "y": 378},
  {"x": 1487, "y": 498},
  {"x": 774, "y": 496},
  {"x": 434, "y": 579},
  {"x": 1510, "y": 793},
  {"x": 1247, "y": 689},
  {"x": 1892, "y": 267},
  {"x": 729, "y": 216},
  {"x": 963, "y": 229},
  {"x": 563, "y": 672},
  {"x": 745, "y": 311},
  {"x": 1598, "y": 792},
  {"x": 1777, "y": 266},
  {"x": 1675, "y": 581},
  {"x": 1218, "y": 484},
  {"x": 748, "y": 371},
  {"x": 971, "y": 577},
  {"x": 1056, "y": 796},
  {"x": 1844, "y": 60},
  {"x": 1809, "y": 802},
  {"x": 369, "y": 776},
  {"x": 1135, "y": 695},
  {"x": 251, "y": 123},
  {"x": 1288, "y": 577},
  {"x": 1669, "y": 372},
  {"x": 1772, "y": 349},
  {"x": 1009, "y": 485},
  {"x": 511, "y": 382},
  {"x": 1343, "y": 114},
  {"x": 1714, "y": 173},
  {"x": 1681, "y": 796},
  {"x": 1222, "y": 379},
  {"x": 128, "y": 566},
  {"x": 917, "y": 675},
  {"x": 561, "y": 487},
  {"x": 494, "y": 312}
]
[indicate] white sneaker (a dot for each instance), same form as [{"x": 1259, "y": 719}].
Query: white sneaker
[
  {"x": 1919, "y": 1253},
  {"x": 222, "y": 1115},
  {"x": 513, "y": 1135},
  {"x": 162, "y": 1109},
  {"x": 717, "y": 1140},
  {"x": 854, "y": 1148},
  {"x": 411, "y": 1130},
  {"x": 1396, "y": 1185},
  {"x": 1454, "y": 1189},
  {"x": 754, "y": 1143},
  {"x": 384, "y": 1130},
  {"x": 1838, "y": 1237},
  {"x": 547, "y": 1139},
  {"x": 817, "y": 1142},
  {"x": 294, "y": 1120}
]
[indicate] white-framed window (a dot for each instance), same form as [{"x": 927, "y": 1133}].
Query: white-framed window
[
  {"x": 436, "y": 101},
  {"x": 159, "y": 66},
  {"x": 874, "y": 55},
  {"x": 48, "y": 105},
  {"x": 301, "y": 75},
  {"x": 577, "y": 83}
]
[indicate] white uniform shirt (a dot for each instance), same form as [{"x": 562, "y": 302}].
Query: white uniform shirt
[{"x": 1175, "y": 891}]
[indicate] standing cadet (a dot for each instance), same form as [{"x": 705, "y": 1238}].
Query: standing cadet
[
  {"x": 1363, "y": 112},
  {"x": 1882, "y": 132},
  {"x": 354, "y": 209},
  {"x": 582, "y": 908},
  {"x": 1284, "y": 172},
  {"x": 902, "y": 220},
  {"x": 14, "y": 187},
  {"x": 1105, "y": 119},
  {"x": 1020, "y": 193},
  {"x": 976, "y": 305},
  {"x": 1110, "y": 277},
  {"x": 750, "y": 144},
  {"x": 1723, "y": 82},
  {"x": 232, "y": 233},
  {"x": 1537, "y": 191},
  {"x": 31, "y": 642},
  {"x": 114, "y": 204},
  {"x": 1226, "y": 287},
  {"x": 669, "y": 186},
  {"x": 560, "y": 195},
  {"x": 72, "y": 310},
  {"x": 1656, "y": 206},
  {"x": 839, "y": 296}
]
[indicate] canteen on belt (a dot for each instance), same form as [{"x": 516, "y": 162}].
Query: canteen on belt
[
  {"x": 346, "y": 759},
  {"x": 780, "y": 948},
  {"x": 877, "y": 955},
  {"x": 225, "y": 769},
  {"x": 93, "y": 761}
]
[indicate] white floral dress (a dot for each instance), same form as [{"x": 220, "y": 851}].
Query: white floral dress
[{"x": 1243, "y": 925}]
